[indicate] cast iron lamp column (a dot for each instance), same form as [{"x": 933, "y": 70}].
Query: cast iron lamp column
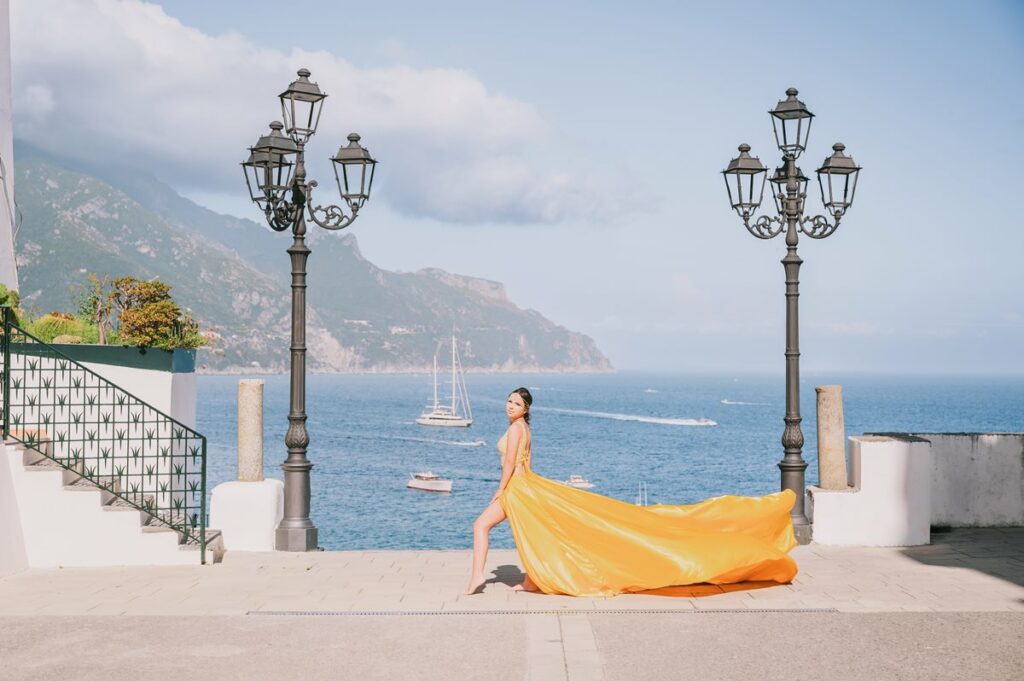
[
  {"x": 837, "y": 179},
  {"x": 269, "y": 176}
]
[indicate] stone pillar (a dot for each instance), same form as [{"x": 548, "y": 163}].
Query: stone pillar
[
  {"x": 250, "y": 430},
  {"x": 831, "y": 438}
]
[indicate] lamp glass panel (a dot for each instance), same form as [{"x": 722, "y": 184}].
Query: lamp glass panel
[
  {"x": 792, "y": 133},
  {"x": 352, "y": 181},
  {"x": 838, "y": 189},
  {"x": 301, "y": 115},
  {"x": 266, "y": 179},
  {"x": 745, "y": 190}
]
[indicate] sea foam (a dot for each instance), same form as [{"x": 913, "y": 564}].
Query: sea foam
[{"x": 632, "y": 417}]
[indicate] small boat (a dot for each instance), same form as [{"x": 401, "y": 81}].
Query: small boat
[
  {"x": 428, "y": 482},
  {"x": 450, "y": 415},
  {"x": 579, "y": 482}
]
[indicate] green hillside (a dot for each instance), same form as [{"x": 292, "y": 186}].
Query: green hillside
[{"x": 233, "y": 275}]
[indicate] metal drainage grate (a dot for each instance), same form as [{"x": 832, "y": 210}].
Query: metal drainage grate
[{"x": 565, "y": 611}]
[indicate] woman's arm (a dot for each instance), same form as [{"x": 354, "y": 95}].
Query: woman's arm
[{"x": 508, "y": 463}]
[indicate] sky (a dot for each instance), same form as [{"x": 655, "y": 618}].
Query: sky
[{"x": 572, "y": 151}]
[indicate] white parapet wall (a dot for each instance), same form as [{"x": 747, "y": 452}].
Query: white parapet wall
[
  {"x": 12, "y": 541},
  {"x": 889, "y": 501},
  {"x": 247, "y": 513},
  {"x": 977, "y": 479},
  {"x": 161, "y": 378}
]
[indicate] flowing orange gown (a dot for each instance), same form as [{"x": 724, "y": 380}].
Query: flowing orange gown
[{"x": 575, "y": 542}]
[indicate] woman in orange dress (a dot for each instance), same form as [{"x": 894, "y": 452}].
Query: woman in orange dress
[{"x": 579, "y": 543}]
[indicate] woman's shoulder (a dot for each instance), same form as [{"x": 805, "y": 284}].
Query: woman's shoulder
[
  {"x": 522, "y": 427},
  {"x": 519, "y": 428}
]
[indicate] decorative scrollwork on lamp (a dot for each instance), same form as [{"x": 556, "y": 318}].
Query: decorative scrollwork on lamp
[
  {"x": 819, "y": 228},
  {"x": 766, "y": 227},
  {"x": 281, "y": 214}
]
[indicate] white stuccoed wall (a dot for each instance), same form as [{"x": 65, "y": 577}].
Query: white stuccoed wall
[
  {"x": 8, "y": 267},
  {"x": 966, "y": 480},
  {"x": 12, "y": 541},
  {"x": 888, "y": 502},
  {"x": 172, "y": 393},
  {"x": 977, "y": 479}
]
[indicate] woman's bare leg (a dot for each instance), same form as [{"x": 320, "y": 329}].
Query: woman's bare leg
[{"x": 491, "y": 516}]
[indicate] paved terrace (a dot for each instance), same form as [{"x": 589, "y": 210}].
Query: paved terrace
[{"x": 954, "y": 609}]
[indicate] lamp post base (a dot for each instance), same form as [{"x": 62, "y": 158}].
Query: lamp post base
[
  {"x": 296, "y": 539},
  {"x": 803, "y": 533}
]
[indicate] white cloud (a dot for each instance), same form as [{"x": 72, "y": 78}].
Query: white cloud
[
  {"x": 35, "y": 102},
  {"x": 122, "y": 80}
]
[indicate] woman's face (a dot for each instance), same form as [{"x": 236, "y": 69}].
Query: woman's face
[{"x": 515, "y": 407}]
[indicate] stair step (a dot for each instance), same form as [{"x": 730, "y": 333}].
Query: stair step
[
  {"x": 156, "y": 529},
  {"x": 73, "y": 481},
  {"x": 44, "y": 465}
]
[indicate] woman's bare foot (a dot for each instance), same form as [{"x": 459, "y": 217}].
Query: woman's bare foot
[
  {"x": 527, "y": 585},
  {"x": 475, "y": 586}
]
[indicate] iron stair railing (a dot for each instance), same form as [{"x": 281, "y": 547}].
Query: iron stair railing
[{"x": 101, "y": 432}]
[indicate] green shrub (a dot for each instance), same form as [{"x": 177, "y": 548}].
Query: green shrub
[
  {"x": 68, "y": 340},
  {"x": 123, "y": 311},
  {"x": 149, "y": 317},
  {"x": 54, "y": 324},
  {"x": 89, "y": 333},
  {"x": 11, "y": 299}
]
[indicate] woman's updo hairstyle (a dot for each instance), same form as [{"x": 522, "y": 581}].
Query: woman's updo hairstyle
[{"x": 527, "y": 400}]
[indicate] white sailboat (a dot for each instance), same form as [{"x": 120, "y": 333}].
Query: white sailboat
[
  {"x": 458, "y": 414},
  {"x": 641, "y": 493}
]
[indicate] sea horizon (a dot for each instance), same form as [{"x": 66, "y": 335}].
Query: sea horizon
[{"x": 617, "y": 429}]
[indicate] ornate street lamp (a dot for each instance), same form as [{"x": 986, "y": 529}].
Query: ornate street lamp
[
  {"x": 837, "y": 179},
  {"x": 275, "y": 174}
]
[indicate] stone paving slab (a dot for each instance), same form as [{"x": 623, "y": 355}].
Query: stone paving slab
[
  {"x": 601, "y": 646},
  {"x": 962, "y": 571},
  {"x": 952, "y": 610}
]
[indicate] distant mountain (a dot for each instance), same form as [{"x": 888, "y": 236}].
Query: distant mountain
[{"x": 234, "y": 276}]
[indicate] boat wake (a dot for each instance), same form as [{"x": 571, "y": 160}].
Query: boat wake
[
  {"x": 427, "y": 440},
  {"x": 746, "y": 404},
  {"x": 453, "y": 443},
  {"x": 632, "y": 417}
]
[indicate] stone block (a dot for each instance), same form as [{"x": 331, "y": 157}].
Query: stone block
[{"x": 247, "y": 513}]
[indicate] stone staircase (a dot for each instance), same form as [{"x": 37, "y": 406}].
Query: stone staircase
[{"x": 69, "y": 521}]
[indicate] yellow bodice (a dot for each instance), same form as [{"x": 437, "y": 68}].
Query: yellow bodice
[{"x": 523, "y": 455}]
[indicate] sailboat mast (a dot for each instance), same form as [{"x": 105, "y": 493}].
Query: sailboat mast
[
  {"x": 465, "y": 393},
  {"x": 454, "y": 384},
  {"x": 435, "y": 381}
]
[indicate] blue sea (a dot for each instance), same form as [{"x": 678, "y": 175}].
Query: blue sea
[{"x": 615, "y": 429}]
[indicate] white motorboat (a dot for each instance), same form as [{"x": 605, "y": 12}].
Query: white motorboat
[
  {"x": 579, "y": 482},
  {"x": 458, "y": 414},
  {"x": 428, "y": 482}
]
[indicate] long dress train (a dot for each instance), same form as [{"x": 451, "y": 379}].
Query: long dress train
[{"x": 575, "y": 542}]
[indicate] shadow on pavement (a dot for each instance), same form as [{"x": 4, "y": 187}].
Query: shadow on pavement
[
  {"x": 511, "y": 575},
  {"x": 996, "y": 551}
]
